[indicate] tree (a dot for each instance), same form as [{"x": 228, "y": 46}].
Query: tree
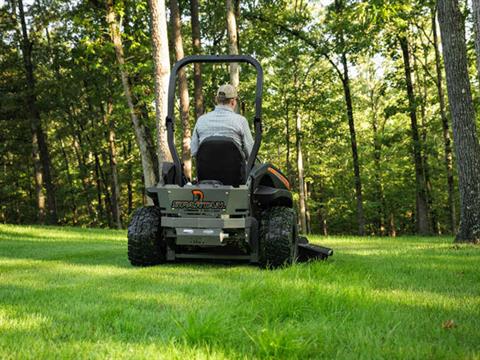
[
  {"x": 112, "y": 152},
  {"x": 448, "y": 156},
  {"x": 465, "y": 136},
  {"x": 421, "y": 213},
  {"x": 148, "y": 166},
  {"x": 41, "y": 156},
  {"x": 232, "y": 42},
  {"x": 197, "y": 49},
  {"x": 302, "y": 201},
  {"x": 161, "y": 61},
  {"x": 345, "y": 78},
  {"x": 176, "y": 24},
  {"x": 476, "y": 24}
]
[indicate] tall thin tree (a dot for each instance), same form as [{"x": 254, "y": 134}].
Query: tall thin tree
[
  {"x": 467, "y": 147},
  {"x": 197, "y": 49},
  {"x": 232, "y": 42},
  {"x": 302, "y": 202},
  {"x": 421, "y": 213},
  {"x": 41, "y": 155},
  {"x": 345, "y": 78},
  {"x": 140, "y": 130},
  {"x": 447, "y": 141},
  {"x": 161, "y": 61},
  {"x": 112, "y": 152},
  {"x": 175, "y": 20},
  {"x": 476, "y": 26}
]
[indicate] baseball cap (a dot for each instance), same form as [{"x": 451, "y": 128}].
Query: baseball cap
[{"x": 227, "y": 91}]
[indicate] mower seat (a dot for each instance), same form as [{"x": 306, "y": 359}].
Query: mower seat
[{"x": 219, "y": 158}]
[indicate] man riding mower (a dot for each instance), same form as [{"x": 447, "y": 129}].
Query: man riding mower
[{"x": 237, "y": 210}]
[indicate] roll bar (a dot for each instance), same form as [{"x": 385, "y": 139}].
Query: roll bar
[{"x": 171, "y": 102}]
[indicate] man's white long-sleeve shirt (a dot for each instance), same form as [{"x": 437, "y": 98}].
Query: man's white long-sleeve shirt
[{"x": 222, "y": 121}]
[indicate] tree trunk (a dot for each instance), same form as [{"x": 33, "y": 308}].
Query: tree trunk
[
  {"x": 149, "y": 137},
  {"x": 98, "y": 183},
  {"x": 307, "y": 210},
  {"x": 197, "y": 49},
  {"x": 424, "y": 134},
  {"x": 161, "y": 61},
  {"x": 71, "y": 186},
  {"x": 392, "y": 227},
  {"x": 127, "y": 152},
  {"x": 83, "y": 173},
  {"x": 112, "y": 150},
  {"x": 237, "y": 17},
  {"x": 106, "y": 191},
  {"x": 300, "y": 169},
  {"x": 476, "y": 25},
  {"x": 344, "y": 77},
  {"x": 421, "y": 213},
  {"x": 140, "y": 131},
  {"x": 448, "y": 155},
  {"x": 467, "y": 147},
  {"x": 232, "y": 42},
  {"x": 287, "y": 138},
  {"x": 322, "y": 211},
  {"x": 38, "y": 176},
  {"x": 353, "y": 142},
  {"x": 377, "y": 157},
  {"x": 182, "y": 88},
  {"x": 41, "y": 156}
]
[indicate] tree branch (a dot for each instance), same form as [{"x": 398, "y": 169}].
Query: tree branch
[{"x": 302, "y": 36}]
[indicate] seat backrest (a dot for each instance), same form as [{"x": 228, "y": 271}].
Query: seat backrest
[{"x": 220, "y": 158}]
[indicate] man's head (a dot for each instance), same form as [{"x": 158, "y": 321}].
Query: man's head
[{"x": 227, "y": 95}]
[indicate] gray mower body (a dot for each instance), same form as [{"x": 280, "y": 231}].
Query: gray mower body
[{"x": 210, "y": 218}]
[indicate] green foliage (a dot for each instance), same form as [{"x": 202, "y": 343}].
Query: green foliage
[{"x": 299, "y": 45}]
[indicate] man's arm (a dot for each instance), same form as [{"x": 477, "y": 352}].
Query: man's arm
[
  {"x": 194, "y": 142},
  {"x": 247, "y": 136}
]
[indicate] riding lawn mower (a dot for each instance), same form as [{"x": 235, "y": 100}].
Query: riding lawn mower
[{"x": 238, "y": 209}]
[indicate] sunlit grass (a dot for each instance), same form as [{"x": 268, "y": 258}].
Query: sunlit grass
[{"x": 71, "y": 293}]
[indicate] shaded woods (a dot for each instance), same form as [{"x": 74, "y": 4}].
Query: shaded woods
[{"x": 363, "y": 99}]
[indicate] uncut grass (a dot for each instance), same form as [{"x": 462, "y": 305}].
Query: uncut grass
[{"x": 69, "y": 292}]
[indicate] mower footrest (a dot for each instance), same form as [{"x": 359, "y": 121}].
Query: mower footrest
[
  {"x": 212, "y": 256},
  {"x": 205, "y": 223},
  {"x": 308, "y": 252}
]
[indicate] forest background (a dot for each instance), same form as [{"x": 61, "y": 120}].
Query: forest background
[{"x": 355, "y": 106}]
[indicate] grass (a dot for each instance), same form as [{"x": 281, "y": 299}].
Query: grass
[{"x": 71, "y": 293}]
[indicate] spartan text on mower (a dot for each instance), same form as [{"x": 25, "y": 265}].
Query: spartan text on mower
[{"x": 200, "y": 205}]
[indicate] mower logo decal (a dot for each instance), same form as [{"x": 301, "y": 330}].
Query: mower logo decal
[
  {"x": 197, "y": 195},
  {"x": 198, "y": 203}
]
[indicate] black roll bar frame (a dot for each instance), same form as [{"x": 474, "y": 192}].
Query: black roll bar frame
[{"x": 171, "y": 103}]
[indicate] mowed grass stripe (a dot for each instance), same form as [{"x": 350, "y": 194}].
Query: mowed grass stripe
[{"x": 71, "y": 293}]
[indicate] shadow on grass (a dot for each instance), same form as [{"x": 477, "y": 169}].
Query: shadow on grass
[
  {"x": 82, "y": 249},
  {"x": 75, "y": 252},
  {"x": 89, "y": 247}
]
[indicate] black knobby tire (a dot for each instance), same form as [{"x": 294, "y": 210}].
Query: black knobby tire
[
  {"x": 277, "y": 241},
  {"x": 146, "y": 245}
]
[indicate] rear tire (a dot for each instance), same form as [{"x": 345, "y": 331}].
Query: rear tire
[
  {"x": 146, "y": 245},
  {"x": 277, "y": 241}
]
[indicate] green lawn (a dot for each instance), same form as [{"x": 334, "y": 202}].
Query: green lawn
[{"x": 71, "y": 293}]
